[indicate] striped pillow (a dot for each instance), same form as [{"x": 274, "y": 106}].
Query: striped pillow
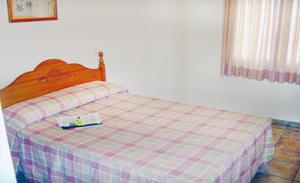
[{"x": 53, "y": 103}]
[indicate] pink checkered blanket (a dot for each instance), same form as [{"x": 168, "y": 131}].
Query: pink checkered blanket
[{"x": 141, "y": 139}]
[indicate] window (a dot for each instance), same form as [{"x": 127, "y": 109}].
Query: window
[{"x": 261, "y": 40}]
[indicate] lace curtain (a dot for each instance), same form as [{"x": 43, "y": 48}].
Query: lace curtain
[{"x": 261, "y": 40}]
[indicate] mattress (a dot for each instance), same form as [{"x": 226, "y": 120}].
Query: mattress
[{"x": 142, "y": 139}]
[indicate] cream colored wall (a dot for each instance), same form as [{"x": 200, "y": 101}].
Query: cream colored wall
[
  {"x": 169, "y": 49},
  {"x": 141, "y": 40},
  {"x": 206, "y": 86}
]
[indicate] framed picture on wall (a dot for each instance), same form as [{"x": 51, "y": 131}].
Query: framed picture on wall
[{"x": 31, "y": 10}]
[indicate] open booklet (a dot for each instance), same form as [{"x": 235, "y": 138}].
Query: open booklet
[{"x": 67, "y": 122}]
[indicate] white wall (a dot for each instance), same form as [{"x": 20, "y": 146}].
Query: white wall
[
  {"x": 207, "y": 87},
  {"x": 169, "y": 49},
  {"x": 141, "y": 40}
]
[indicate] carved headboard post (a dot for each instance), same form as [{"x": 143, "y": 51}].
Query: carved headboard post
[{"x": 102, "y": 66}]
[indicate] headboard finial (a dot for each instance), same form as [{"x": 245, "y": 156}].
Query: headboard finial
[
  {"x": 102, "y": 66},
  {"x": 101, "y": 56}
]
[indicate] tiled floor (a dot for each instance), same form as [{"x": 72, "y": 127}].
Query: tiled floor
[{"x": 284, "y": 168}]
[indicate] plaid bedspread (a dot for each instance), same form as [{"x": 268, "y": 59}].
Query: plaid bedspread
[{"x": 145, "y": 139}]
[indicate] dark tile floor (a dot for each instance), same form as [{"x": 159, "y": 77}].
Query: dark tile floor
[{"x": 285, "y": 166}]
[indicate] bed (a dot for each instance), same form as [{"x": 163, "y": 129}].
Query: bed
[{"x": 142, "y": 139}]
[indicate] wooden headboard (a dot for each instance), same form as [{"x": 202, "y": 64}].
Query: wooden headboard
[{"x": 49, "y": 76}]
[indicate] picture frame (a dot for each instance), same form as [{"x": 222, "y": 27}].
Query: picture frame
[{"x": 31, "y": 10}]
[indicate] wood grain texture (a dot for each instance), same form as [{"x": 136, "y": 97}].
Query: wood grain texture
[{"x": 49, "y": 76}]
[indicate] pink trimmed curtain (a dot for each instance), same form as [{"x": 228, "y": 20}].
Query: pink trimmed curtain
[{"x": 261, "y": 40}]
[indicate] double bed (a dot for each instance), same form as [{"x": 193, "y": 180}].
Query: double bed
[{"x": 142, "y": 139}]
